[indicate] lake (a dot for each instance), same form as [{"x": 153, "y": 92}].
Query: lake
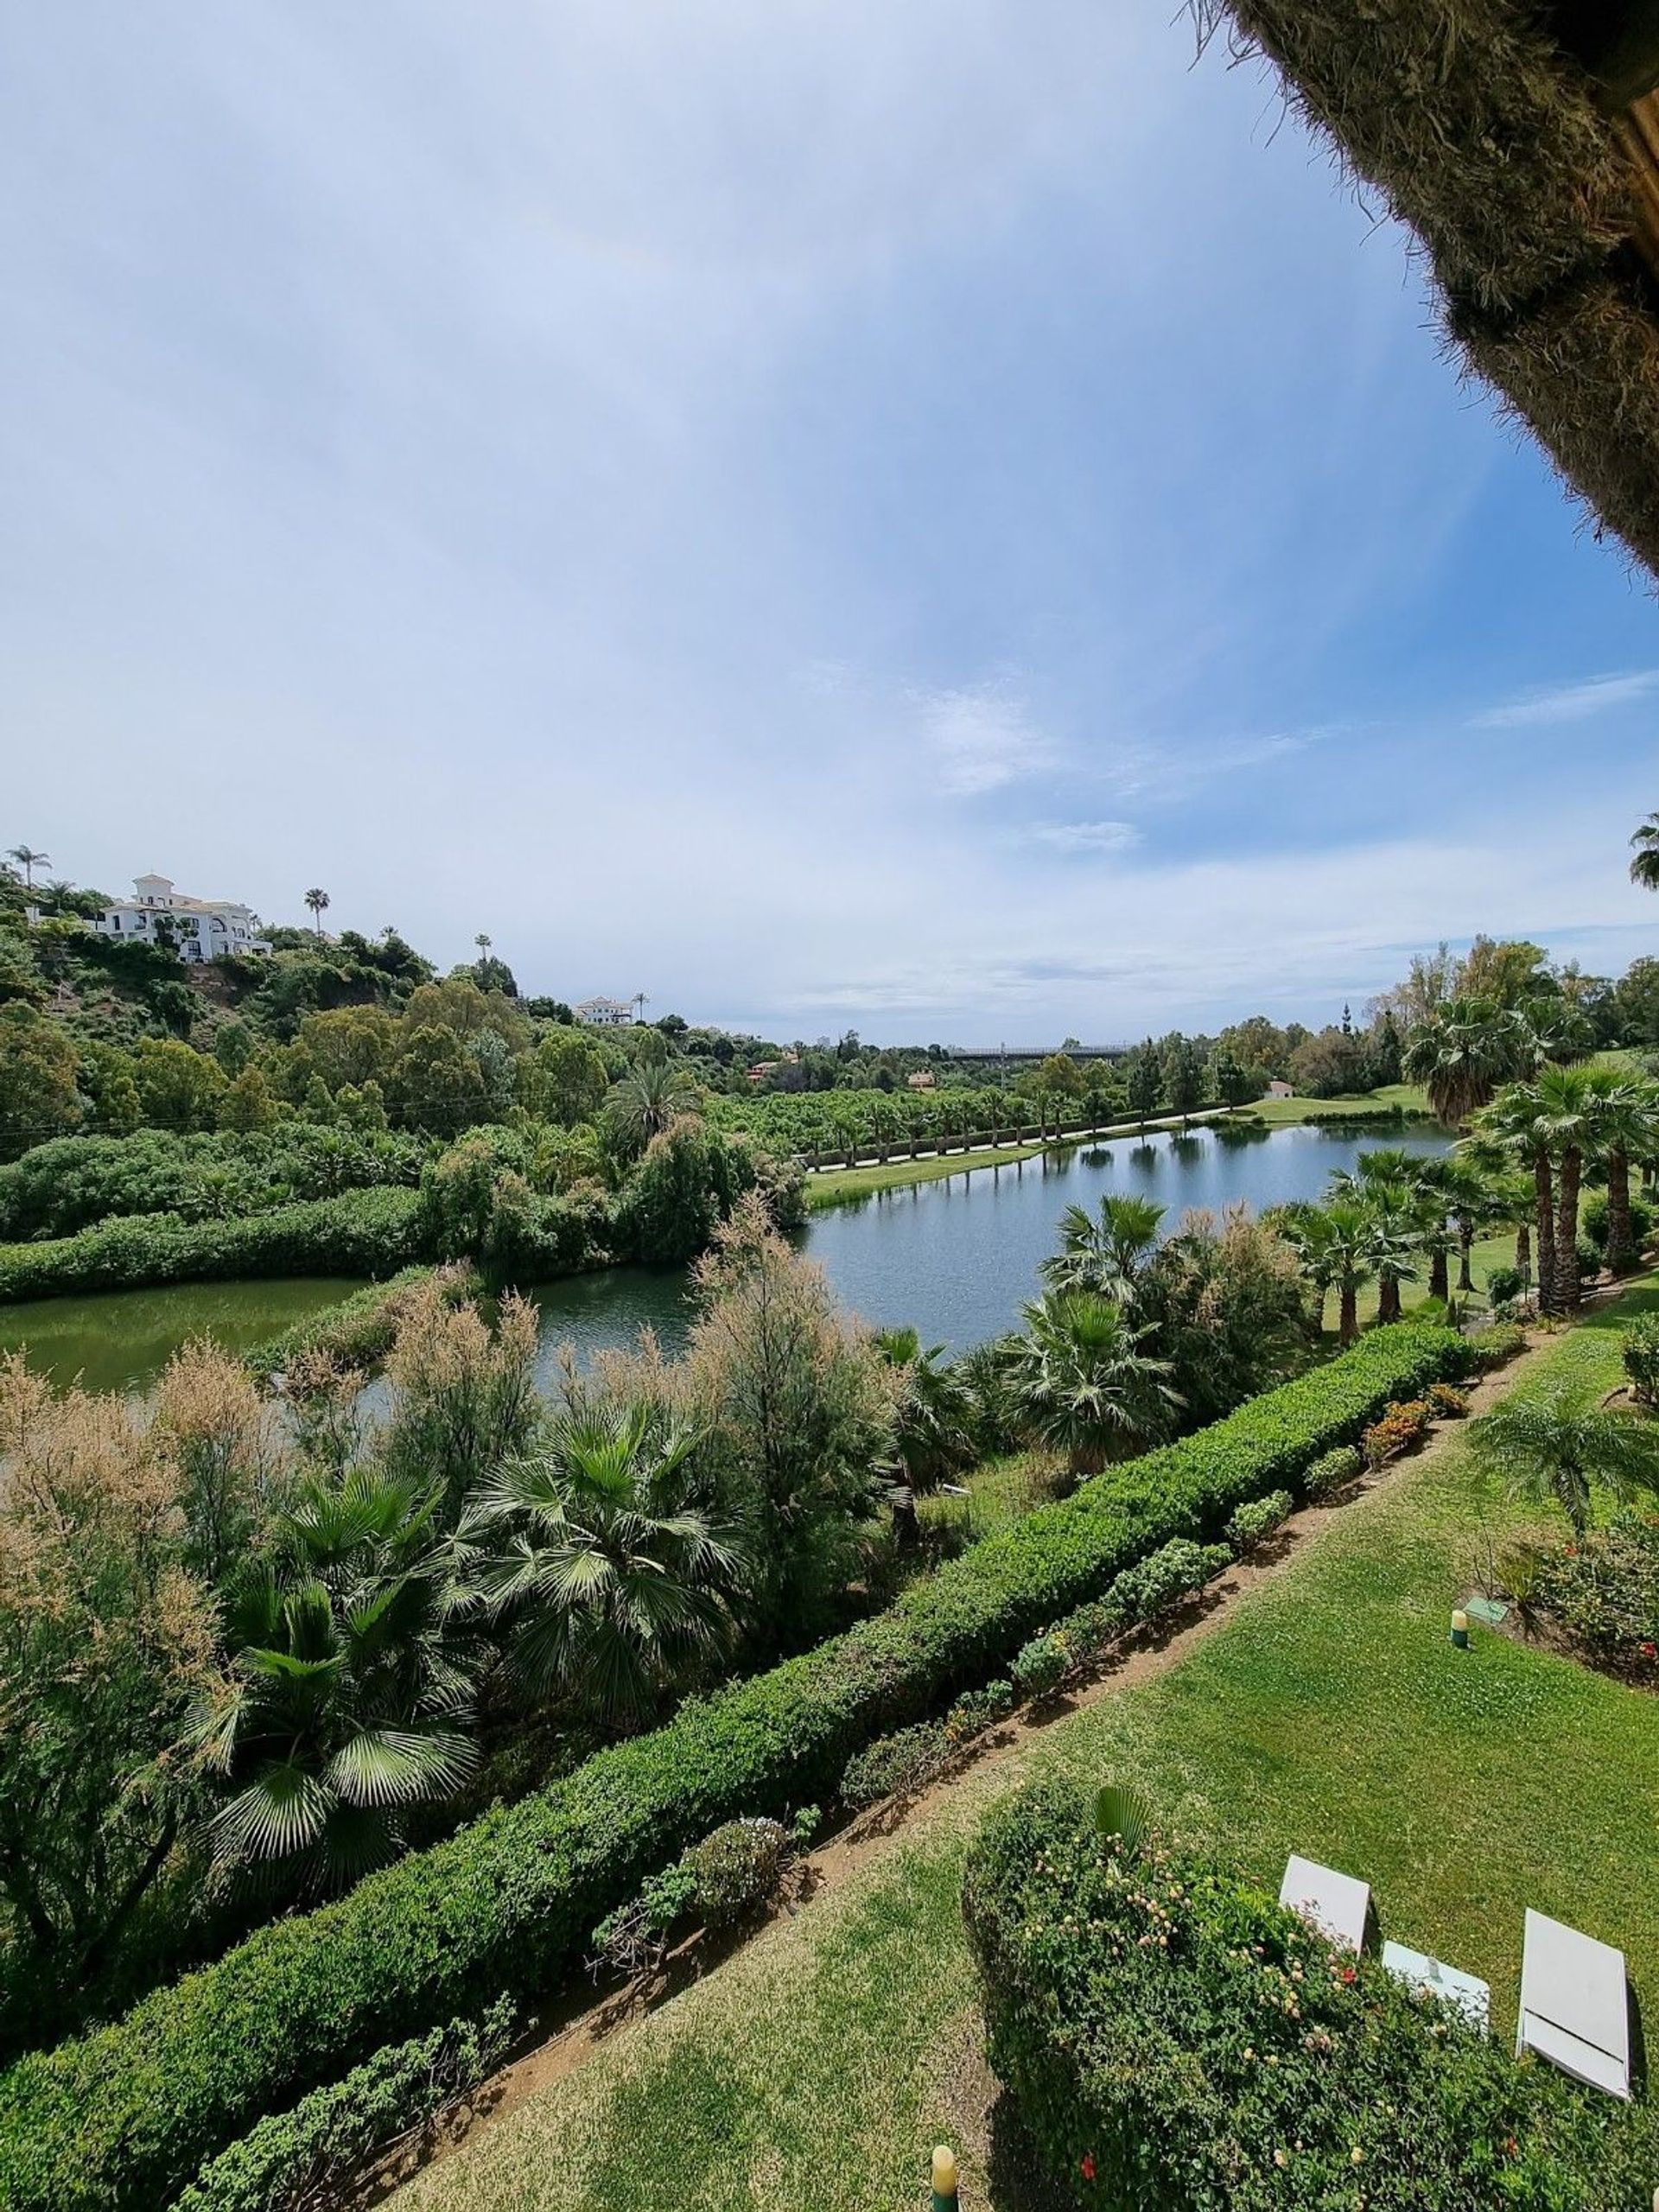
[{"x": 954, "y": 1258}]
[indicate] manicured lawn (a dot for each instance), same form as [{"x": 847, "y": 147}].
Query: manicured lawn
[
  {"x": 836, "y": 1184},
  {"x": 1278, "y": 1112},
  {"x": 1330, "y": 1715}
]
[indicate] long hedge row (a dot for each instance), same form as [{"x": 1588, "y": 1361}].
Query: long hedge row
[
  {"x": 372, "y": 1232},
  {"x": 124, "y": 2117}
]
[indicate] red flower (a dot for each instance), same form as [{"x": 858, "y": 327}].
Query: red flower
[
  {"x": 1650, "y": 1651},
  {"x": 1086, "y": 2165},
  {"x": 1349, "y": 1974}
]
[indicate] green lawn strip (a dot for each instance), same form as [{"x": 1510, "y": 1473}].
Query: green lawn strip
[
  {"x": 1285, "y": 1113},
  {"x": 1330, "y": 1716},
  {"x": 833, "y": 1186}
]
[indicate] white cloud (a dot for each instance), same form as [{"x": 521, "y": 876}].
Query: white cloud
[
  {"x": 1084, "y": 836},
  {"x": 1569, "y": 703},
  {"x": 983, "y": 738}
]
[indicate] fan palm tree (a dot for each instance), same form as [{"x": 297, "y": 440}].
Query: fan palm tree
[
  {"x": 317, "y": 900},
  {"x": 1087, "y": 1387},
  {"x": 1548, "y": 1124},
  {"x": 1644, "y": 868},
  {"x": 932, "y": 1435},
  {"x": 608, "y": 1578},
  {"x": 1626, "y": 1117},
  {"x": 1404, "y": 1212},
  {"x": 1556, "y": 1450},
  {"x": 640, "y": 1104},
  {"x": 28, "y": 860},
  {"x": 1461, "y": 1053},
  {"x": 1104, "y": 1256},
  {"x": 1335, "y": 1245},
  {"x": 349, "y": 1689}
]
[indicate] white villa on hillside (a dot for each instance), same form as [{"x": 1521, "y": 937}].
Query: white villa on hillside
[
  {"x": 606, "y": 1014},
  {"x": 199, "y": 929}
]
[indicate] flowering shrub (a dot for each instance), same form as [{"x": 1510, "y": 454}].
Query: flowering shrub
[
  {"x": 1253, "y": 1524},
  {"x": 1174, "y": 1570},
  {"x": 1177, "y": 2042},
  {"x": 1398, "y": 1430},
  {"x": 1607, "y": 1590},
  {"x": 1332, "y": 1471},
  {"x": 1446, "y": 1402},
  {"x": 978, "y": 1710}
]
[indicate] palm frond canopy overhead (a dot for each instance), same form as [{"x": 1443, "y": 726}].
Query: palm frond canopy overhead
[{"x": 1521, "y": 144}]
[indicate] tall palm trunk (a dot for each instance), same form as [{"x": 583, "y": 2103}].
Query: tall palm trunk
[
  {"x": 1388, "y": 1298},
  {"x": 1348, "y": 1320},
  {"x": 1566, "y": 1231},
  {"x": 1523, "y": 1249},
  {"x": 1543, "y": 1183},
  {"x": 1621, "y": 1238},
  {"x": 1437, "y": 1273},
  {"x": 1465, "y": 1248}
]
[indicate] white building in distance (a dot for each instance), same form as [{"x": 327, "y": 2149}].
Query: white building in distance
[
  {"x": 606, "y": 1014},
  {"x": 199, "y": 929}
]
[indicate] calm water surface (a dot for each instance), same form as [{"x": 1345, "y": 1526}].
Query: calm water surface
[
  {"x": 122, "y": 1339},
  {"x": 956, "y": 1258}
]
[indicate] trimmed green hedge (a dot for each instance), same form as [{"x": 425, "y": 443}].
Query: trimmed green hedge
[
  {"x": 1176, "y": 2042},
  {"x": 371, "y": 1232},
  {"x": 123, "y": 2116}
]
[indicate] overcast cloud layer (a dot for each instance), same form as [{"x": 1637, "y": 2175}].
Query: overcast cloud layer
[{"x": 942, "y": 518}]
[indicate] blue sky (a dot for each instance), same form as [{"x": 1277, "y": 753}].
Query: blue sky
[{"x": 946, "y": 520}]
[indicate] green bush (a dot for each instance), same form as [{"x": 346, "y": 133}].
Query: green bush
[
  {"x": 896, "y": 1765},
  {"x": 334, "y": 2130},
  {"x": 1503, "y": 1285},
  {"x": 363, "y": 1233},
  {"x": 360, "y": 1330},
  {"x": 123, "y": 2115},
  {"x": 1496, "y": 1346},
  {"x": 1640, "y": 1354},
  {"x": 737, "y": 1868},
  {"x": 1333, "y": 1471},
  {"x": 1175, "y": 2042},
  {"x": 1254, "y": 1524}
]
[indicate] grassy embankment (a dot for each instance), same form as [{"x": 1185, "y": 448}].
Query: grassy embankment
[{"x": 1328, "y": 1715}]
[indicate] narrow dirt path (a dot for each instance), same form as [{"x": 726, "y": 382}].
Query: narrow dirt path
[{"x": 579, "y": 2034}]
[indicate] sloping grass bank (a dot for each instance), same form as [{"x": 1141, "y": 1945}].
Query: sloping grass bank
[{"x": 1330, "y": 1716}]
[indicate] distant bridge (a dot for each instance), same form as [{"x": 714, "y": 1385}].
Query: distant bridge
[{"x": 1007, "y": 1055}]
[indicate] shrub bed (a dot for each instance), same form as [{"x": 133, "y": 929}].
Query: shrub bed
[
  {"x": 1605, "y": 1590},
  {"x": 1177, "y": 2042},
  {"x": 371, "y": 1232},
  {"x": 122, "y": 2116}
]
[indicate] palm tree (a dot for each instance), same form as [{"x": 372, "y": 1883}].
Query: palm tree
[
  {"x": 317, "y": 900},
  {"x": 1087, "y": 1387},
  {"x": 1461, "y": 1054},
  {"x": 1550, "y": 1124},
  {"x": 609, "y": 1579},
  {"x": 640, "y": 1105},
  {"x": 1105, "y": 1255},
  {"x": 1335, "y": 1243},
  {"x": 1644, "y": 868},
  {"x": 1404, "y": 1213},
  {"x": 932, "y": 1434},
  {"x": 1626, "y": 1115},
  {"x": 350, "y": 1685},
  {"x": 1555, "y": 1449},
  {"x": 28, "y": 860},
  {"x": 483, "y": 941}
]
